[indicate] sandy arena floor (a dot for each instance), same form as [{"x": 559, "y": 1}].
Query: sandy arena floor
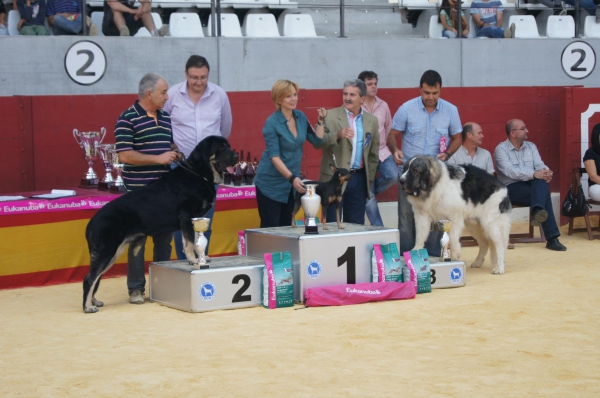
[{"x": 534, "y": 331}]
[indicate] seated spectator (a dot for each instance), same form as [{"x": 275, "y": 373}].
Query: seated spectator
[
  {"x": 487, "y": 15},
  {"x": 591, "y": 161},
  {"x": 591, "y": 6},
  {"x": 66, "y": 18},
  {"x": 449, "y": 20},
  {"x": 121, "y": 18},
  {"x": 470, "y": 152},
  {"x": 33, "y": 14},
  {"x": 3, "y": 29}
]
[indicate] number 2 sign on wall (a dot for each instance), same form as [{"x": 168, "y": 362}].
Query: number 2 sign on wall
[
  {"x": 85, "y": 62},
  {"x": 578, "y": 60}
]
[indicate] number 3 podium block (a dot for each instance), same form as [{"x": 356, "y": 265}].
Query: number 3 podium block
[
  {"x": 333, "y": 257},
  {"x": 229, "y": 282}
]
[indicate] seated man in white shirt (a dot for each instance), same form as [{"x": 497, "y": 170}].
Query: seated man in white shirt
[{"x": 470, "y": 152}]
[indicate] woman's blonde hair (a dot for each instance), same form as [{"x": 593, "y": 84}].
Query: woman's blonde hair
[{"x": 281, "y": 89}]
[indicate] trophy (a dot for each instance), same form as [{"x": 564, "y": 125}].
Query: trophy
[
  {"x": 200, "y": 226},
  {"x": 89, "y": 143},
  {"x": 118, "y": 186},
  {"x": 107, "y": 153},
  {"x": 310, "y": 204},
  {"x": 444, "y": 226}
]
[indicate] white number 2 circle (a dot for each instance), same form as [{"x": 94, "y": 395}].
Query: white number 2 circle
[
  {"x": 85, "y": 62},
  {"x": 578, "y": 60}
]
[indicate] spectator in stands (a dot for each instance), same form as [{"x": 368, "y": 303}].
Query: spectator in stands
[
  {"x": 285, "y": 132},
  {"x": 198, "y": 108},
  {"x": 66, "y": 19},
  {"x": 521, "y": 169},
  {"x": 487, "y": 15},
  {"x": 33, "y": 15},
  {"x": 429, "y": 126},
  {"x": 121, "y": 18},
  {"x": 352, "y": 136},
  {"x": 449, "y": 20},
  {"x": 591, "y": 6},
  {"x": 470, "y": 151},
  {"x": 145, "y": 145},
  {"x": 591, "y": 161},
  {"x": 3, "y": 29},
  {"x": 387, "y": 169}
]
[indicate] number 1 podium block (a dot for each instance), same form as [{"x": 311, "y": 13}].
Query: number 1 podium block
[
  {"x": 229, "y": 282},
  {"x": 333, "y": 257}
]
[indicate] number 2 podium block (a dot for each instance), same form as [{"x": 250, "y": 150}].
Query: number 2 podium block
[
  {"x": 229, "y": 282},
  {"x": 333, "y": 257}
]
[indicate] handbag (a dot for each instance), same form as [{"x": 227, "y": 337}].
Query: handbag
[{"x": 574, "y": 205}]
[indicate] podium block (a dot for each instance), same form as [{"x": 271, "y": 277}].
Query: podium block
[
  {"x": 447, "y": 274},
  {"x": 333, "y": 257},
  {"x": 229, "y": 282}
]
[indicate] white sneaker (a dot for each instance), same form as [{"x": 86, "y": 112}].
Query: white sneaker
[
  {"x": 124, "y": 31},
  {"x": 136, "y": 297}
]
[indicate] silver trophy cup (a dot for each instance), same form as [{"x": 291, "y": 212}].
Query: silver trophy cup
[
  {"x": 445, "y": 226},
  {"x": 118, "y": 186},
  {"x": 107, "y": 153},
  {"x": 310, "y": 204},
  {"x": 200, "y": 226},
  {"x": 89, "y": 141}
]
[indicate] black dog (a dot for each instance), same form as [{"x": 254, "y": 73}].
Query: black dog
[
  {"x": 330, "y": 193},
  {"x": 161, "y": 207}
]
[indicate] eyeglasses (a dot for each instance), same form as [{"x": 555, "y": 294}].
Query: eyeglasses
[
  {"x": 522, "y": 128},
  {"x": 197, "y": 78}
]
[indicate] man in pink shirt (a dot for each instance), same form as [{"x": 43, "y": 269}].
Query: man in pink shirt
[{"x": 387, "y": 169}]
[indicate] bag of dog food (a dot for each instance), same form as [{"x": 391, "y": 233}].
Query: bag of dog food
[
  {"x": 241, "y": 246},
  {"x": 278, "y": 282},
  {"x": 385, "y": 263},
  {"x": 418, "y": 260},
  {"x": 409, "y": 274}
]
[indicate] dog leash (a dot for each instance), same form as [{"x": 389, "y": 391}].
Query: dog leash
[{"x": 186, "y": 166}]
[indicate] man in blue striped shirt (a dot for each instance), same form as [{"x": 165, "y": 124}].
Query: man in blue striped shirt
[
  {"x": 66, "y": 19},
  {"x": 144, "y": 142},
  {"x": 487, "y": 15}
]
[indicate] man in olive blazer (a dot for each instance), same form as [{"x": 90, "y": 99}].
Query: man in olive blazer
[{"x": 340, "y": 139}]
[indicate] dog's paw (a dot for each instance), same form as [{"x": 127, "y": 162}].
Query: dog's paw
[
  {"x": 90, "y": 310},
  {"x": 325, "y": 227},
  {"x": 477, "y": 264},
  {"x": 340, "y": 226},
  {"x": 97, "y": 303},
  {"x": 498, "y": 271},
  {"x": 294, "y": 225}
]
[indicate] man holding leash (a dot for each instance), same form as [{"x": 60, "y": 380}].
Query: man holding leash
[
  {"x": 521, "y": 169},
  {"x": 470, "y": 152},
  {"x": 198, "y": 109},
  {"x": 429, "y": 126},
  {"x": 145, "y": 145},
  {"x": 351, "y": 139}
]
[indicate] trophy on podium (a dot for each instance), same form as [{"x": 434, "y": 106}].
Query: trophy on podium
[
  {"x": 310, "y": 204},
  {"x": 444, "y": 226},
  {"x": 118, "y": 186},
  {"x": 200, "y": 226},
  {"x": 89, "y": 141},
  {"x": 107, "y": 153}
]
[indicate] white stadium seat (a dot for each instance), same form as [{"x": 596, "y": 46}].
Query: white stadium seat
[
  {"x": 12, "y": 22},
  {"x": 590, "y": 27},
  {"x": 260, "y": 25},
  {"x": 526, "y": 28},
  {"x": 97, "y": 17},
  {"x": 435, "y": 28},
  {"x": 185, "y": 24},
  {"x": 230, "y": 26},
  {"x": 143, "y": 32},
  {"x": 298, "y": 25},
  {"x": 560, "y": 26}
]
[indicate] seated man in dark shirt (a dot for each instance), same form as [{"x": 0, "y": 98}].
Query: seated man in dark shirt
[
  {"x": 33, "y": 14},
  {"x": 121, "y": 18}
]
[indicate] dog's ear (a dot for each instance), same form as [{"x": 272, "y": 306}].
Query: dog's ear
[
  {"x": 333, "y": 168},
  {"x": 424, "y": 180}
]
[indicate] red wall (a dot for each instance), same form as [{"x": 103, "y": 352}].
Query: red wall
[{"x": 39, "y": 152}]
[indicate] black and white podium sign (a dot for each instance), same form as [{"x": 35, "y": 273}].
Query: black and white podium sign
[
  {"x": 85, "y": 62},
  {"x": 578, "y": 60},
  {"x": 333, "y": 257}
]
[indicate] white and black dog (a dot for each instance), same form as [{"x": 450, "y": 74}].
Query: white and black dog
[
  {"x": 467, "y": 196},
  {"x": 163, "y": 206}
]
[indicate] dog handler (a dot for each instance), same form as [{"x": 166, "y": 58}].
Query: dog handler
[
  {"x": 145, "y": 145},
  {"x": 285, "y": 132}
]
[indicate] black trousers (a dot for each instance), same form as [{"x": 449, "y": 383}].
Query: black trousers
[{"x": 273, "y": 213}]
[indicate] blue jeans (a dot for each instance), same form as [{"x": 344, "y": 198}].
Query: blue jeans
[
  {"x": 136, "y": 279},
  {"x": 354, "y": 200},
  {"x": 388, "y": 175},
  {"x": 63, "y": 26},
  {"x": 179, "y": 240},
  {"x": 535, "y": 193},
  {"x": 587, "y": 5},
  {"x": 406, "y": 225},
  {"x": 493, "y": 32}
]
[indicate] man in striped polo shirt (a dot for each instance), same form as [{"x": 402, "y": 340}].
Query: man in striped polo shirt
[
  {"x": 66, "y": 19},
  {"x": 145, "y": 145}
]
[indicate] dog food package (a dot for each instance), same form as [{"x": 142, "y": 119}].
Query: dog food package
[
  {"x": 241, "y": 246},
  {"x": 409, "y": 274},
  {"x": 419, "y": 261},
  {"x": 385, "y": 263},
  {"x": 278, "y": 282}
]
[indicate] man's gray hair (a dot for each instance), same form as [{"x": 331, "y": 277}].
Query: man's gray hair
[
  {"x": 148, "y": 83},
  {"x": 362, "y": 87}
]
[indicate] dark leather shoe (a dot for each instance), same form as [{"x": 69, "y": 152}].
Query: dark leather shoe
[
  {"x": 554, "y": 244},
  {"x": 538, "y": 217}
]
